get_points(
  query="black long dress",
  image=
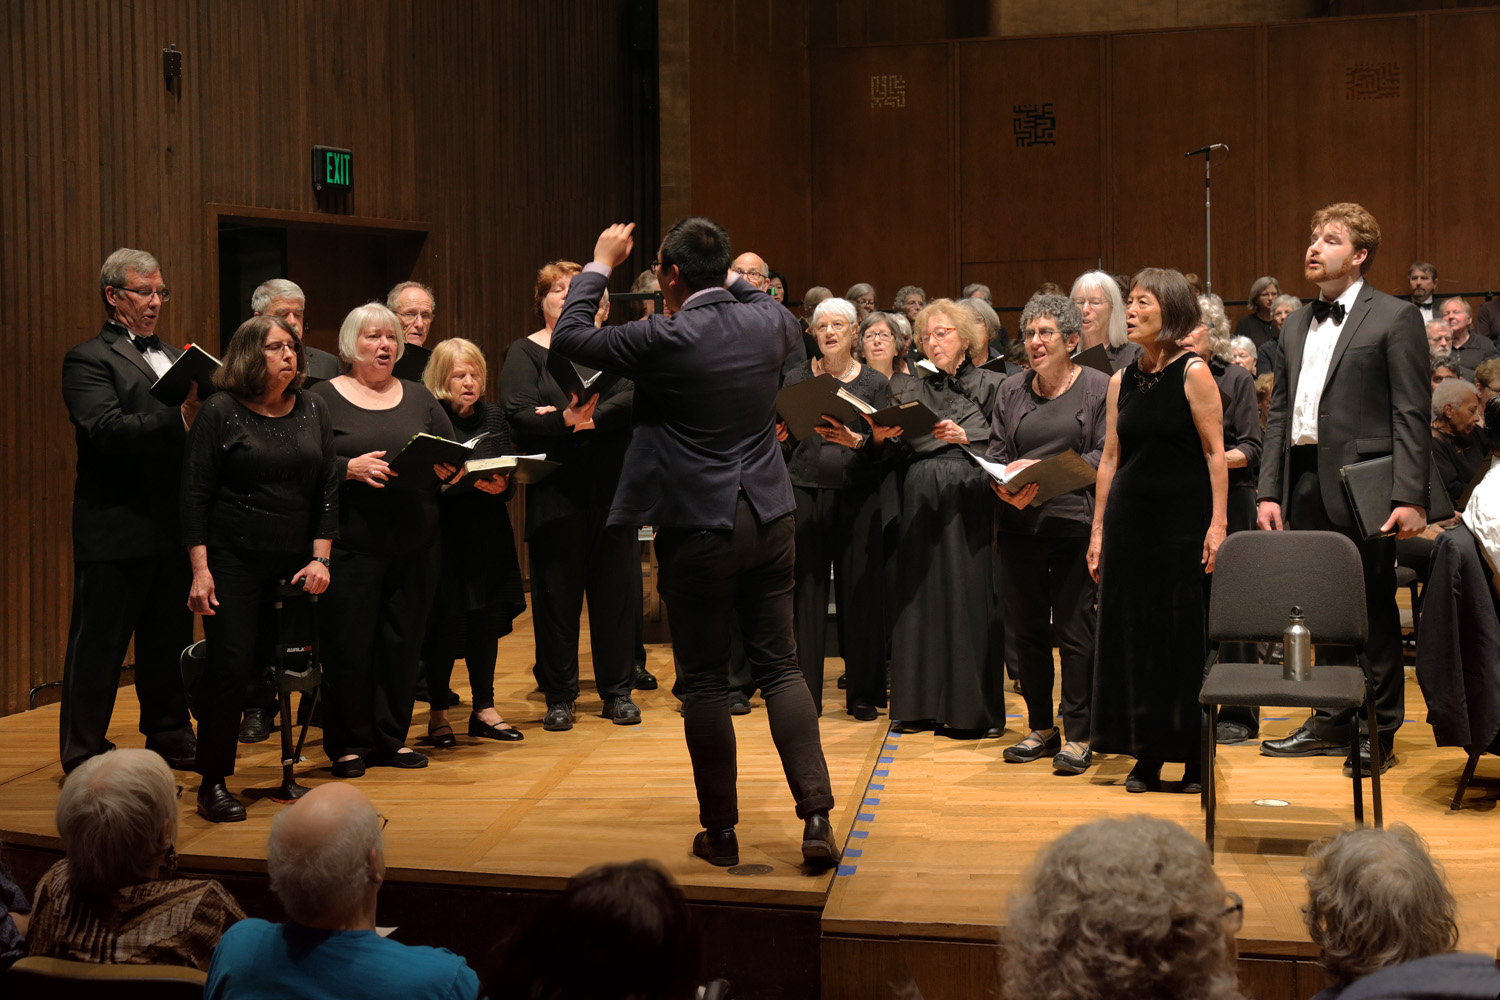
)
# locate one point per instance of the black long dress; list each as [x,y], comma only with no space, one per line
[1152,634]
[944,667]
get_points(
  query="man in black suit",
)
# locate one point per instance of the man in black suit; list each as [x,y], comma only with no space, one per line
[130,571]
[1351,385]
[1422,277]
[414,305]
[285,300]
[704,466]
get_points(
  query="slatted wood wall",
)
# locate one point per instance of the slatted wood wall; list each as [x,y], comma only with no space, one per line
[513,131]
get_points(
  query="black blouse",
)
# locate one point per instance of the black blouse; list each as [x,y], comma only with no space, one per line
[402,515]
[1242,428]
[967,398]
[260,483]
[814,463]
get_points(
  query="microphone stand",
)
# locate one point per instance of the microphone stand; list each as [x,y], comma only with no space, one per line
[1208,212]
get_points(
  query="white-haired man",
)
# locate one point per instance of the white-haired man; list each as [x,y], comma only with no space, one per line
[415,306]
[285,300]
[327,863]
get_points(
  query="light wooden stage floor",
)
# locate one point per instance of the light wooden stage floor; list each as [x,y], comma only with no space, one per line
[939,831]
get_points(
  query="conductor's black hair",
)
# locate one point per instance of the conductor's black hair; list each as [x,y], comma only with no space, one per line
[699,247]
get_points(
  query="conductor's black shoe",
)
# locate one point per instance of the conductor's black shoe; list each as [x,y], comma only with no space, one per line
[1230,733]
[1387,758]
[1300,742]
[216,805]
[559,716]
[739,703]
[622,711]
[864,711]
[255,726]
[180,752]
[720,847]
[818,847]
[642,679]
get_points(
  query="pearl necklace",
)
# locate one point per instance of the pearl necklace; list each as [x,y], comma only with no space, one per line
[1072,376]
[842,376]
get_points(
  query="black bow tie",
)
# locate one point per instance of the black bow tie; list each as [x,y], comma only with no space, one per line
[1322,310]
[144,344]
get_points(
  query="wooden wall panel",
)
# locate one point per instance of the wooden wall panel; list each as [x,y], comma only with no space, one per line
[1171,92]
[511,130]
[882,169]
[1348,127]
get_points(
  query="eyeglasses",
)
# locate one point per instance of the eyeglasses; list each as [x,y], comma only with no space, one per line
[165,294]
[412,314]
[384,819]
[1233,913]
[1043,335]
[836,325]
[870,336]
[280,346]
[748,272]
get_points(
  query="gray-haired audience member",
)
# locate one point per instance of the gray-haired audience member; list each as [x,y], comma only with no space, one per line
[1097,296]
[995,337]
[285,300]
[1242,349]
[978,291]
[1445,366]
[414,305]
[1257,323]
[1439,338]
[884,339]
[1126,908]
[104,902]
[1375,899]
[1458,441]
[326,861]
[862,294]
[910,300]
[752,267]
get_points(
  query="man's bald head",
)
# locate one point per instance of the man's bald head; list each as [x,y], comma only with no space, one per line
[326,859]
[753,268]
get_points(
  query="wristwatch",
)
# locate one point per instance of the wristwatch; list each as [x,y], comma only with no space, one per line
[323,560]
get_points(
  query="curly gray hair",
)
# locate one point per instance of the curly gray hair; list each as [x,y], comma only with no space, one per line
[1058,308]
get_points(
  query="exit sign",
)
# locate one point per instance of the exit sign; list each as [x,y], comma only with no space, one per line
[332,169]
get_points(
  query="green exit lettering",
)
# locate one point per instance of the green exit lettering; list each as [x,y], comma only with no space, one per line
[337,168]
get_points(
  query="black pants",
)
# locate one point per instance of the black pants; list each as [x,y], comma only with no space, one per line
[480,646]
[1048,576]
[840,528]
[244,583]
[571,558]
[112,601]
[1382,661]
[709,578]
[376,611]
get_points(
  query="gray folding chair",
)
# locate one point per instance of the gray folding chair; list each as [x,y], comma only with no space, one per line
[1258,577]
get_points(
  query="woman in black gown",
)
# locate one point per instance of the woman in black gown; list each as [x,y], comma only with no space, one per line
[479,586]
[1159,519]
[942,660]
[835,479]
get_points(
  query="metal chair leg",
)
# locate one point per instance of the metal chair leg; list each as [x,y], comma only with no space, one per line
[1463,783]
[1210,721]
[1377,755]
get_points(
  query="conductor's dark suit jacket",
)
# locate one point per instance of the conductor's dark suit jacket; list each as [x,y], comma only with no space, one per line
[705,402]
[1375,402]
[130,446]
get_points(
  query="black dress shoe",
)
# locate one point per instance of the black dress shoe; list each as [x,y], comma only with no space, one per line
[1300,742]
[818,847]
[216,805]
[442,737]
[1033,747]
[739,703]
[559,716]
[864,711]
[642,679]
[1387,758]
[353,768]
[255,726]
[843,682]
[181,754]
[478,727]
[622,711]
[406,761]
[1230,733]
[720,847]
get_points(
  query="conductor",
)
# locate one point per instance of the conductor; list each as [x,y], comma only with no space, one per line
[704,467]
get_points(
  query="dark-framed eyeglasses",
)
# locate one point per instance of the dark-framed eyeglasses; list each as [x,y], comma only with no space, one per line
[748,272]
[280,346]
[165,294]
[1233,913]
[384,819]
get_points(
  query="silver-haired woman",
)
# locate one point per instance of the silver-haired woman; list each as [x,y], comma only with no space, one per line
[1097,296]
[862,294]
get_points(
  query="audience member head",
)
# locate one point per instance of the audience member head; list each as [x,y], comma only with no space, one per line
[553,280]
[1099,299]
[883,342]
[1375,898]
[814,296]
[1487,380]
[1243,353]
[1455,407]
[456,373]
[1161,299]
[752,268]
[1264,383]
[252,350]
[694,255]
[910,300]
[1344,241]
[862,294]
[1211,309]
[1048,314]
[1194,282]
[988,328]
[834,325]
[644,282]
[1460,319]
[1123,908]
[117,818]
[414,305]
[1048,288]
[1445,366]
[280,298]
[978,291]
[776,286]
[947,333]
[629,920]
[1263,296]
[370,316]
[127,282]
[1439,337]
[1283,307]
[1422,277]
[326,859]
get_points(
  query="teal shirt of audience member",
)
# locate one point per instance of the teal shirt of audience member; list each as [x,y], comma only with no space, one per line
[256,959]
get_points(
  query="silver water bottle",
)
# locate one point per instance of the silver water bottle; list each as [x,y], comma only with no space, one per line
[1296,643]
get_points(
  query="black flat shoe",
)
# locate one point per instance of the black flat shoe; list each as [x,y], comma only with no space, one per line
[353,768]
[1033,747]
[739,703]
[1143,778]
[478,727]
[818,847]
[444,740]
[720,848]
[216,805]
[255,726]
[406,761]
[864,711]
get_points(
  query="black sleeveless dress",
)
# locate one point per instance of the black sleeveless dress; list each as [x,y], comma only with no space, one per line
[1152,621]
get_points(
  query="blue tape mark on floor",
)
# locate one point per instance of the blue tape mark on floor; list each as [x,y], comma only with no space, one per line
[859,833]
[872,802]
[853,852]
[866,817]
[846,869]
[877,788]
[887,760]
[889,747]
[881,774]
[1273,718]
